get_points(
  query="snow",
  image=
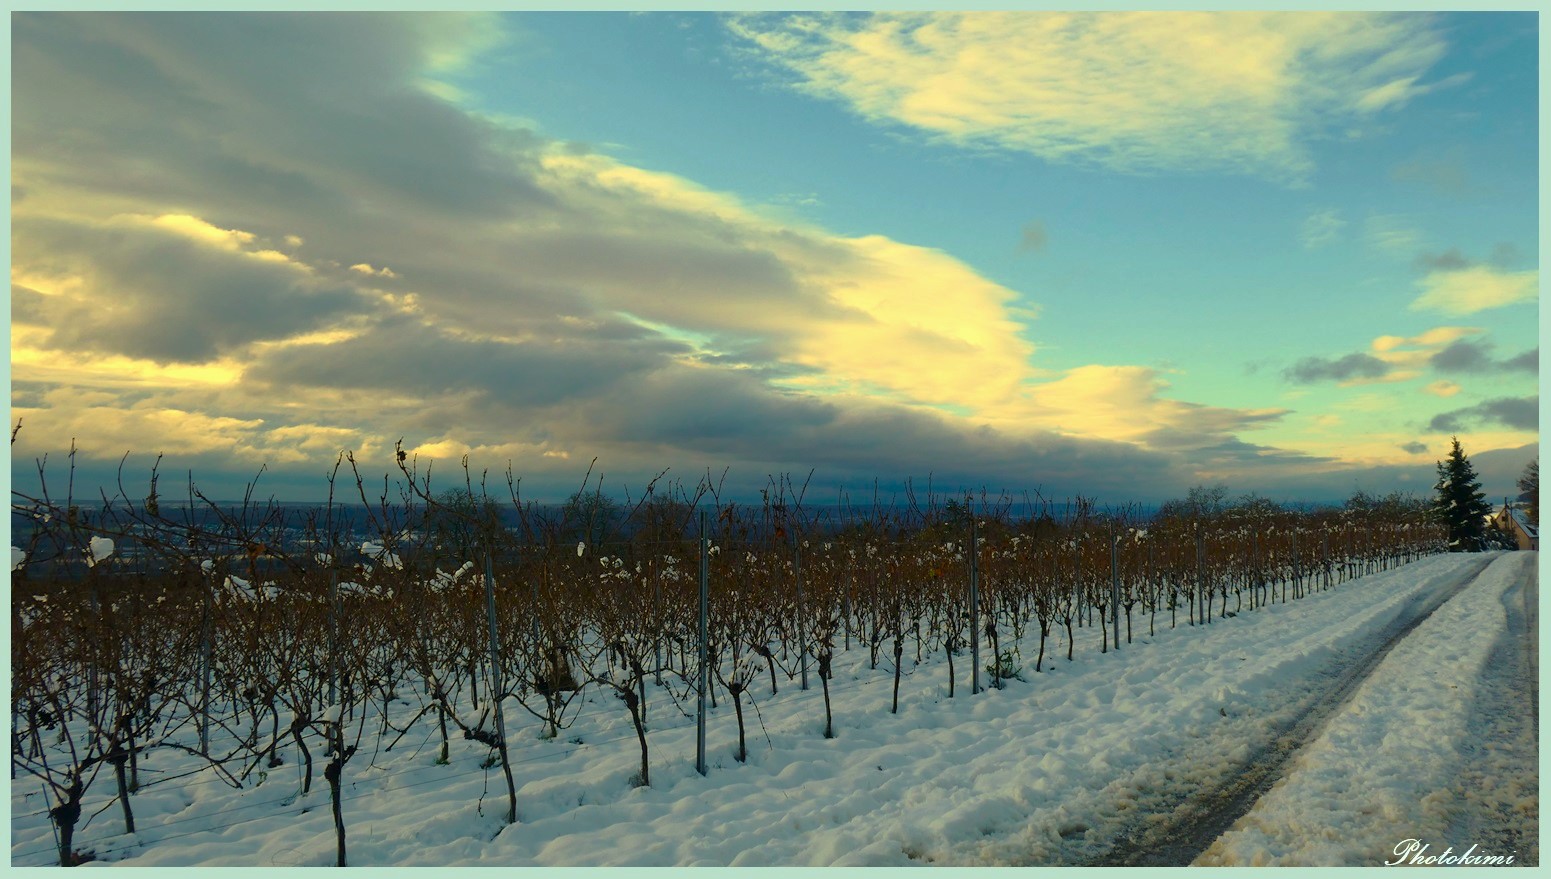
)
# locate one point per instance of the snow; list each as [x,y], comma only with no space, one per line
[442,581]
[243,589]
[381,554]
[1044,771]
[18,557]
[99,549]
[1387,768]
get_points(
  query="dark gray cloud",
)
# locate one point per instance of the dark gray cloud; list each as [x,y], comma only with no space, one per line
[208,97]
[1450,260]
[1208,434]
[1466,356]
[28,305]
[1352,366]
[1414,448]
[133,302]
[1499,469]
[1505,255]
[1528,362]
[404,356]
[1518,413]
[1463,356]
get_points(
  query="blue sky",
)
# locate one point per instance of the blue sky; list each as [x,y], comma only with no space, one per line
[1110,253]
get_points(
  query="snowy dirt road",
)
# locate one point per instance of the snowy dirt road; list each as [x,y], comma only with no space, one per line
[1434,754]
[1176,835]
[1502,738]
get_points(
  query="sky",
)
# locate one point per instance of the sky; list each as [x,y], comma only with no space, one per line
[1116,254]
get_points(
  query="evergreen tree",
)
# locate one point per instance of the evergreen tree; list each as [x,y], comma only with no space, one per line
[1460,503]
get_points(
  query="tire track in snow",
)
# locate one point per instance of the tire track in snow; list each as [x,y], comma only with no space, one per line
[1198,819]
[1496,804]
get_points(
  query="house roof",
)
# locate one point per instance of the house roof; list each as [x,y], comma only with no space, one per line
[1522,520]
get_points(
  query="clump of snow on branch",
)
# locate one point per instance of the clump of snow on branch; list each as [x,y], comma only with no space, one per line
[381,554]
[99,549]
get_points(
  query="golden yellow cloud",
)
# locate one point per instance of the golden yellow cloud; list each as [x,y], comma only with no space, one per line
[105,426]
[194,228]
[1410,355]
[232,240]
[107,429]
[910,323]
[1478,288]
[920,325]
[32,360]
[1434,339]
[1142,90]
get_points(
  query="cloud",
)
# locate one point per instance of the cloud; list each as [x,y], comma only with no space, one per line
[1391,233]
[1414,448]
[1455,284]
[1240,92]
[1515,413]
[1463,356]
[1528,362]
[1129,404]
[1446,174]
[1320,228]
[107,420]
[1415,349]
[1033,238]
[1452,350]
[366,269]
[496,232]
[1448,349]
[201,264]
[110,288]
[1352,366]
[1476,357]
[1478,288]
[1504,255]
[1450,260]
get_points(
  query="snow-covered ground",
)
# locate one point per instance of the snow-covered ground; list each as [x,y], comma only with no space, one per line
[1437,746]
[1051,769]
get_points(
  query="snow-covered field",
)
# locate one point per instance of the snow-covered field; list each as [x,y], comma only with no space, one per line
[1048,770]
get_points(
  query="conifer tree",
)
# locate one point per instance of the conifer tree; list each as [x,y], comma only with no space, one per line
[1460,503]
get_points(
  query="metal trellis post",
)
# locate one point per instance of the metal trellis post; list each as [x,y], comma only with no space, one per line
[974,608]
[797,576]
[705,601]
[1114,585]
